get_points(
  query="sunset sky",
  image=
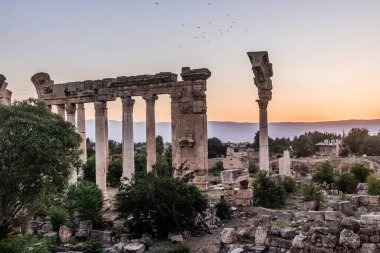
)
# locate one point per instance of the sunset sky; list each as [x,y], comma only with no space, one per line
[325,54]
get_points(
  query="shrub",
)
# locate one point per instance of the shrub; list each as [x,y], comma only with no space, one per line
[147,241]
[253,169]
[92,245]
[115,171]
[373,185]
[157,203]
[347,183]
[86,199]
[324,173]
[266,192]
[289,184]
[312,192]
[223,210]
[216,169]
[360,172]
[345,197]
[89,173]
[182,247]
[58,216]
[12,244]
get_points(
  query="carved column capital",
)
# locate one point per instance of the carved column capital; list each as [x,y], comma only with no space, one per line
[150,99]
[263,104]
[176,96]
[100,108]
[71,108]
[127,103]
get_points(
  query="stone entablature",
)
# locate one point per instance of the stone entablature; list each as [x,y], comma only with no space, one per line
[188,113]
[5,94]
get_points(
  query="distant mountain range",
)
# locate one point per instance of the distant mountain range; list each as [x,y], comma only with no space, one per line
[241,132]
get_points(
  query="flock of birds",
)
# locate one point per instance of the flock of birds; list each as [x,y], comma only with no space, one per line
[202,35]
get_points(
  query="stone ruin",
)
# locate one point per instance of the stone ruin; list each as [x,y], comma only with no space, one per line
[284,164]
[262,70]
[188,116]
[5,94]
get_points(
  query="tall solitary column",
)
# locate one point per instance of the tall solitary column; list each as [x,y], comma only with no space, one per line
[70,112]
[262,69]
[150,130]
[176,156]
[128,145]
[263,135]
[100,145]
[81,128]
[61,109]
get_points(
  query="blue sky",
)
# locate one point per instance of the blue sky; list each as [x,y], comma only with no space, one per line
[324,53]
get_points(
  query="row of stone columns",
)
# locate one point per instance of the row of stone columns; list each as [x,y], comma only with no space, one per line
[69,111]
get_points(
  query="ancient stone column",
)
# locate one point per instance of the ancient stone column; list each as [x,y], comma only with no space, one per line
[61,109]
[176,134]
[128,145]
[150,130]
[101,145]
[81,129]
[263,135]
[262,70]
[70,112]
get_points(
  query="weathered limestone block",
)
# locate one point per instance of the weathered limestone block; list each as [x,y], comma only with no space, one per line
[333,216]
[176,238]
[288,233]
[50,234]
[329,241]
[233,176]
[105,235]
[349,239]
[228,235]
[261,235]
[370,219]
[362,189]
[351,224]
[309,206]
[244,197]
[343,206]
[298,241]
[284,164]
[134,248]
[64,234]
[45,228]
[369,248]
[374,201]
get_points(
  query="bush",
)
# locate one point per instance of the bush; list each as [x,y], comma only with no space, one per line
[115,171]
[12,244]
[347,183]
[58,216]
[216,169]
[253,169]
[373,185]
[86,199]
[312,192]
[89,173]
[92,245]
[147,241]
[345,197]
[157,203]
[266,192]
[182,247]
[289,184]
[324,173]
[223,210]
[360,172]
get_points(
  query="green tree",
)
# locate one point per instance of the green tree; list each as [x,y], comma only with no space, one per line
[115,171]
[223,210]
[373,185]
[216,169]
[278,145]
[356,139]
[360,171]
[303,146]
[38,151]
[216,148]
[347,183]
[157,203]
[312,192]
[86,199]
[114,147]
[289,184]
[89,169]
[90,147]
[159,146]
[325,173]
[266,192]
[371,146]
